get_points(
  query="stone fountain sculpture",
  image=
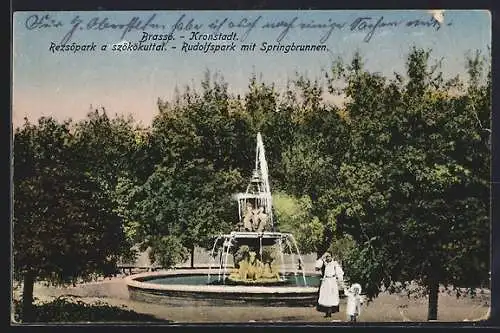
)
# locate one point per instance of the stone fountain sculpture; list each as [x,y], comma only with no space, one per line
[256,247]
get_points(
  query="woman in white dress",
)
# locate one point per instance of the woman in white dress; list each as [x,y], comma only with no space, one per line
[332,278]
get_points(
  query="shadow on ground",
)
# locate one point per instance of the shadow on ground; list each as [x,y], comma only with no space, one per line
[385,308]
[72,309]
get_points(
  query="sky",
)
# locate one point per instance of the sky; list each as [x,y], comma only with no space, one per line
[66,84]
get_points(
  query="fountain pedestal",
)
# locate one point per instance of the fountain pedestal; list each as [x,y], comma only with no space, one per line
[258,258]
[257,233]
[248,267]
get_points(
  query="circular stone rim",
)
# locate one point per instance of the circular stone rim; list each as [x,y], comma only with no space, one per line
[132,281]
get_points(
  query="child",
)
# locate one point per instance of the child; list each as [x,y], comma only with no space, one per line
[354,301]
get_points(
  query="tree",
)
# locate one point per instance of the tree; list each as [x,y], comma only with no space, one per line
[187,200]
[117,153]
[312,153]
[182,206]
[293,215]
[64,225]
[415,179]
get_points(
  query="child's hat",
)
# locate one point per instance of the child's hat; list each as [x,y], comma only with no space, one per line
[354,286]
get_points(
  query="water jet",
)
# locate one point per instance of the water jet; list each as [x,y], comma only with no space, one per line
[247,266]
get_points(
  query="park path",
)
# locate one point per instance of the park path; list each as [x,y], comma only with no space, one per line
[385,308]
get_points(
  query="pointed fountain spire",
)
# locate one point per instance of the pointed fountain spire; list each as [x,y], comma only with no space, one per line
[258,192]
[255,219]
[261,168]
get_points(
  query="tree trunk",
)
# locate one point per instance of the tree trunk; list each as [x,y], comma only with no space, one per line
[433,299]
[27,302]
[192,256]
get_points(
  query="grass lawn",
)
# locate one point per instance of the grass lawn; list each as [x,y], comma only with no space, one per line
[107,301]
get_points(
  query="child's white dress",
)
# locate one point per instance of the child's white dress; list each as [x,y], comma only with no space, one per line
[353,308]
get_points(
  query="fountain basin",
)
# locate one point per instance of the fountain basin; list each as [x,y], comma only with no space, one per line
[190,287]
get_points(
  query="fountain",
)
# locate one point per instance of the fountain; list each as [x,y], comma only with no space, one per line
[257,249]
[247,265]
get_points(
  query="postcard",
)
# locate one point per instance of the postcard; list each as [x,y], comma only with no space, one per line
[284,166]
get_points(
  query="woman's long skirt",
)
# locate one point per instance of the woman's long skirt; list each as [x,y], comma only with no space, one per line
[328,300]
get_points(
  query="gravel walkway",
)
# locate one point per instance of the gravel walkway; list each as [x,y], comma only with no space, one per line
[385,308]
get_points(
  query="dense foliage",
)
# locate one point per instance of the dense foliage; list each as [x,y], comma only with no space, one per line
[68,310]
[415,182]
[395,182]
[64,225]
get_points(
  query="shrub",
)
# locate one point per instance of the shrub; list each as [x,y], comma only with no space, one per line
[66,309]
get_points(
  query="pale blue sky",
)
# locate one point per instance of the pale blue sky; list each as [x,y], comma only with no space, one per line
[65,84]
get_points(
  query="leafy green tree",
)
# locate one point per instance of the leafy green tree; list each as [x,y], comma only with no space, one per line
[189,195]
[124,198]
[342,248]
[182,206]
[106,146]
[293,215]
[313,152]
[116,152]
[64,225]
[415,189]
[263,113]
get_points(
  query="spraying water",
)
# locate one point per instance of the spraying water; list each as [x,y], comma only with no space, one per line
[300,258]
[258,194]
[261,164]
[212,258]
